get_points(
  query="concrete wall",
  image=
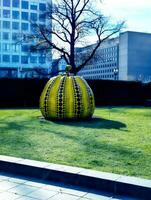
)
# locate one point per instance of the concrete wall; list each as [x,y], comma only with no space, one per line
[139,56]
[123,56]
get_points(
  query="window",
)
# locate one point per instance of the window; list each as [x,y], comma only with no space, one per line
[6,24]
[33,16]
[6,58]
[25,48]
[15,25]
[5,36]
[42,7]
[14,36]
[42,59]
[42,17]
[25,4]
[24,16]
[6,47]
[15,58]
[15,14]
[6,3]
[6,13]
[15,47]
[15,3]
[33,27]
[24,59]
[24,26]
[33,7]
[33,59]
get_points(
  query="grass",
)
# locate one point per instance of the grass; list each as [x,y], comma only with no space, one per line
[118,140]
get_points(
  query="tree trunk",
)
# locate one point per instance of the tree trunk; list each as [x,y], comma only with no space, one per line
[72,49]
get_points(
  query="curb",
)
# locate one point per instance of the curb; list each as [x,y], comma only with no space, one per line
[100,181]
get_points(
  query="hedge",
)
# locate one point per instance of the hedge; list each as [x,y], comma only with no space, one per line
[26,92]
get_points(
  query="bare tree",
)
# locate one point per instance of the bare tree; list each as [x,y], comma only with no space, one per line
[70,22]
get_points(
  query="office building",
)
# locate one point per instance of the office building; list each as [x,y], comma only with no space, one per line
[15,19]
[127,57]
[58,66]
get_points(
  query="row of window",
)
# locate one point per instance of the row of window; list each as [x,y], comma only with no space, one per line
[24,15]
[107,59]
[108,50]
[24,5]
[23,59]
[102,51]
[91,67]
[14,36]
[111,76]
[17,26]
[103,56]
[15,47]
[98,71]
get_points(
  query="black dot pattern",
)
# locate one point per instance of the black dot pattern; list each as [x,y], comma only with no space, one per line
[60,99]
[78,96]
[46,99]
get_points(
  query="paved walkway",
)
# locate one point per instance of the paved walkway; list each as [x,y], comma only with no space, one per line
[15,187]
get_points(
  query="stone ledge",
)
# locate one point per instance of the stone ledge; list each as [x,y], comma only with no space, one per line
[109,182]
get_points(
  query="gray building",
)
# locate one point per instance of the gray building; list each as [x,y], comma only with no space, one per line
[127,57]
[15,20]
[58,66]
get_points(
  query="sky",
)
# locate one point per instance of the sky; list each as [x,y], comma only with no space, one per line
[136,13]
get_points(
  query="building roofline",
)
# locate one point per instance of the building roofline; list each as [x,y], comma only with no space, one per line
[139,32]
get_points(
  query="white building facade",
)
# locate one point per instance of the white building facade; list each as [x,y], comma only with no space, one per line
[127,57]
[15,19]
[104,62]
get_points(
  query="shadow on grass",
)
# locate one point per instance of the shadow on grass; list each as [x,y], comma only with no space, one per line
[94,123]
[10,126]
[89,149]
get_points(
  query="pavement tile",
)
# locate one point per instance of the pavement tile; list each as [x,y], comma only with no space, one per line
[8,196]
[35,184]
[98,196]
[3,177]
[52,187]
[23,189]
[34,163]
[10,158]
[55,167]
[102,175]
[72,191]
[6,185]
[73,170]
[135,181]
[64,168]
[42,194]
[17,180]
[26,198]
[64,197]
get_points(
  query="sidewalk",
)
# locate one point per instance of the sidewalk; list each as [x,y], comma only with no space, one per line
[29,179]
[17,187]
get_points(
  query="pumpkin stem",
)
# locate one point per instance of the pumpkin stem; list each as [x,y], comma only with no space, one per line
[68,69]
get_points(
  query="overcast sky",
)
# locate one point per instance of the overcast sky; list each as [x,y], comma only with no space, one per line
[136,13]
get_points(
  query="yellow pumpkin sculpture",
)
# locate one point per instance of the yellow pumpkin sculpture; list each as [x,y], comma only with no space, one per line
[67,97]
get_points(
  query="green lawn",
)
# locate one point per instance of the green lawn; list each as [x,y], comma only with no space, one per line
[117,140]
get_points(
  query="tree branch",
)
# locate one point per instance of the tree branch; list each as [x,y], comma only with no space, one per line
[115,30]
